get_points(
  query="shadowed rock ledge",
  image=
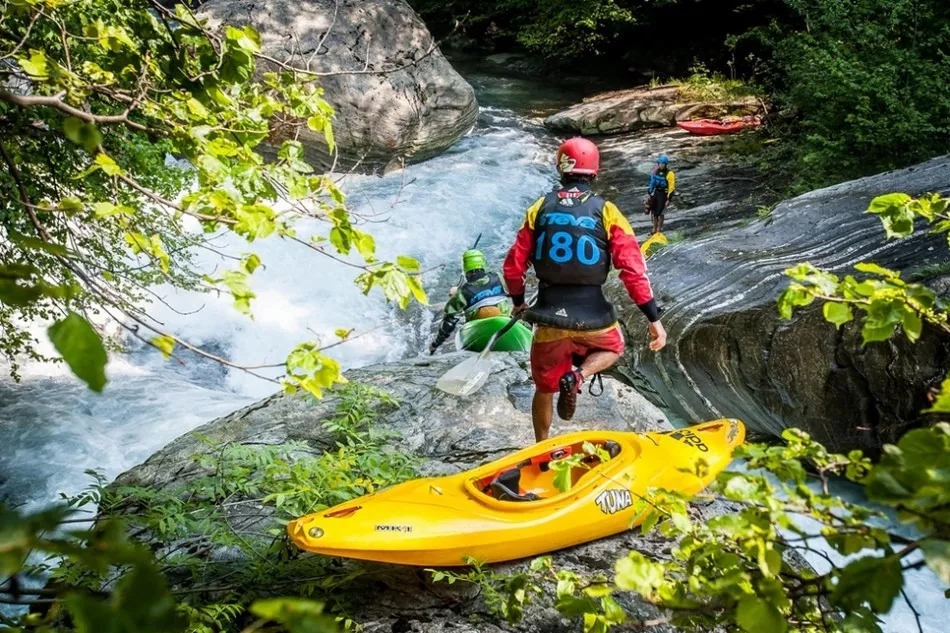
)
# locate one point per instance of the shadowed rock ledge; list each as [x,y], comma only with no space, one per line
[731,355]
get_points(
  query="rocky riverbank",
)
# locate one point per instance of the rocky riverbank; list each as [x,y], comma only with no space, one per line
[449,435]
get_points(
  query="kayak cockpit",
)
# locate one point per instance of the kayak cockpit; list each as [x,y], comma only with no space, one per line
[533,480]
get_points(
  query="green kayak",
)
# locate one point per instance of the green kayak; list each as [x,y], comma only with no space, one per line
[474,335]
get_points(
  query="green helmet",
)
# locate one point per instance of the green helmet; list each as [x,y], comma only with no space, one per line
[473,260]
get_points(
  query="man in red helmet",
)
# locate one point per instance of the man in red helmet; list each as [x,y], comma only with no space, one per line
[571,236]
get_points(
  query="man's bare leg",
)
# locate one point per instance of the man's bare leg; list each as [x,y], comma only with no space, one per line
[542,412]
[597,362]
[659,228]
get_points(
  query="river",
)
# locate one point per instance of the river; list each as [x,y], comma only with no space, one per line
[53,429]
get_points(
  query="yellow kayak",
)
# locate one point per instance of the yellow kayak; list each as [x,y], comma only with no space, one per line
[510,508]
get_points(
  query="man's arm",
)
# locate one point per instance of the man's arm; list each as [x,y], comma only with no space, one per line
[519,256]
[627,258]
[453,312]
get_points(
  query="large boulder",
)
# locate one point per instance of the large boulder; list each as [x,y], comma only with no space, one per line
[638,108]
[397,99]
[731,355]
[451,435]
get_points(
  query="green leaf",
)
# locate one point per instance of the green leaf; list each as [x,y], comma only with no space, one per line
[770,563]
[140,602]
[365,244]
[81,347]
[884,203]
[328,135]
[649,522]
[942,401]
[871,334]
[837,313]
[165,344]
[913,325]
[107,210]
[108,165]
[874,269]
[562,477]
[82,133]
[246,38]
[340,240]
[236,282]
[32,243]
[794,296]
[850,543]
[296,614]
[70,204]
[599,590]
[572,606]
[36,66]
[635,573]
[755,615]
[860,621]
[418,292]
[853,589]
[409,264]
[250,263]
[937,554]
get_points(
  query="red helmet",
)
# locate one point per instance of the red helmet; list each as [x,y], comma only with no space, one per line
[578,156]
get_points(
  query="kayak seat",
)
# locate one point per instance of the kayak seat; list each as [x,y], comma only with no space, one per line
[505,487]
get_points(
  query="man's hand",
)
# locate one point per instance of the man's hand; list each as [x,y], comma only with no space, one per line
[519,309]
[657,336]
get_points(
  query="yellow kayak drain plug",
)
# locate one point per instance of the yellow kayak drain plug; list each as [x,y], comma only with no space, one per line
[315,532]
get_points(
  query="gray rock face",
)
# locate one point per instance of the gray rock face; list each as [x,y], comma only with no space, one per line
[452,435]
[397,99]
[638,108]
[730,354]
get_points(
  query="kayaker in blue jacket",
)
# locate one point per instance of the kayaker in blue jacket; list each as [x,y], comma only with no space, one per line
[660,192]
[482,295]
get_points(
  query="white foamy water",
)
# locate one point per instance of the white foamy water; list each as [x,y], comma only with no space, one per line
[53,428]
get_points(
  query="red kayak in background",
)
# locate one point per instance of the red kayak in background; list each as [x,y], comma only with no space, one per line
[709,127]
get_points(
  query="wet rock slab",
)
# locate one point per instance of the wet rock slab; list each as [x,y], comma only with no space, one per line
[640,108]
[730,354]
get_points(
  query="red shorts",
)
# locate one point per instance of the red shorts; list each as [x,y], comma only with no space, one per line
[554,352]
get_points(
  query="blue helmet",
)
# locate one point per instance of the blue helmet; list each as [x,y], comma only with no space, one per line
[663,159]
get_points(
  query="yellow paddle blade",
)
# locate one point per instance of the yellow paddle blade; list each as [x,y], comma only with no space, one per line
[654,240]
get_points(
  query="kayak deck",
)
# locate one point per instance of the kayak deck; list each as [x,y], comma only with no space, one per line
[474,335]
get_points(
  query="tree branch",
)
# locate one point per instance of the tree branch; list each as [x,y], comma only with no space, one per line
[913,609]
[57,103]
